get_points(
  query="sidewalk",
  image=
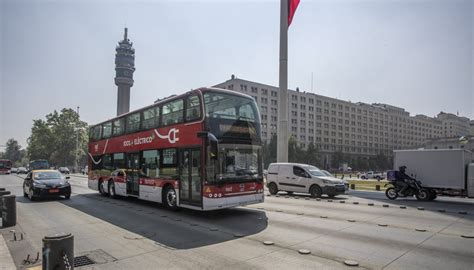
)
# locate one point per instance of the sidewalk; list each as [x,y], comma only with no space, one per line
[6,260]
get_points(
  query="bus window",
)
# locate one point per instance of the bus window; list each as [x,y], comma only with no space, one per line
[173,112]
[133,122]
[169,163]
[119,127]
[193,110]
[119,161]
[106,130]
[150,163]
[151,118]
[96,132]
[107,162]
[246,112]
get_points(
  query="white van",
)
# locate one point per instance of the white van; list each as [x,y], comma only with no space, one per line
[295,177]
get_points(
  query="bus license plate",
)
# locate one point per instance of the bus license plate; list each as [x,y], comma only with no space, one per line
[55,190]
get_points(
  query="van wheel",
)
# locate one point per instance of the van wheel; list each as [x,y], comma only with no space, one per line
[315,191]
[272,188]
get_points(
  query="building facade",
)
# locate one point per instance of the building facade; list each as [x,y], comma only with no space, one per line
[453,125]
[451,143]
[337,125]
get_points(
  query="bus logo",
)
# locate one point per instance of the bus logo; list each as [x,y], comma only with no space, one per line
[172,135]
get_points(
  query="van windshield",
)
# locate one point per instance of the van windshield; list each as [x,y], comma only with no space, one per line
[316,172]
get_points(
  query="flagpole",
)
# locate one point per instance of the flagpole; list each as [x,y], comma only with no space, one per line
[282,136]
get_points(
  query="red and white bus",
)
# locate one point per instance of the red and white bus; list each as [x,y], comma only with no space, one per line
[201,150]
[5,166]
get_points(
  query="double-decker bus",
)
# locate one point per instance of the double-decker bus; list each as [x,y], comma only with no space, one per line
[200,150]
[39,164]
[5,166]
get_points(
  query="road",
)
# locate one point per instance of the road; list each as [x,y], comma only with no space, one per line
[131,234]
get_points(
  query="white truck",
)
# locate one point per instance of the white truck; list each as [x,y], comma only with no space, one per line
[443,171]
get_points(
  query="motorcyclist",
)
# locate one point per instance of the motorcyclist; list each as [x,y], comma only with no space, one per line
[401,177]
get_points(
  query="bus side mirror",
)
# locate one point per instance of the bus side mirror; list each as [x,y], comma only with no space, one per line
[212,142]
[213,146]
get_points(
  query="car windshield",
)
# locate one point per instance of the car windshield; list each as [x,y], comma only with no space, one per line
[315,171]
[327,173]
[47,175]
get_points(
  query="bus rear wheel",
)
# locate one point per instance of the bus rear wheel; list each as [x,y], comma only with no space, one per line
[170,199]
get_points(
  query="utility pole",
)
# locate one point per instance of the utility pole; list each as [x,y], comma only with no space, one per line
[282,140]
[76,169]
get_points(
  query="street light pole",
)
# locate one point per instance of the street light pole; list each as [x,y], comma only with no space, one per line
[76,169]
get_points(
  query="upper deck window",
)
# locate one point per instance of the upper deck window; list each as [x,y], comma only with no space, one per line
[106,130]
[173,112]
[96,132]
[151,117]
[193,110]
[133,122]
[228,106]
[119,127]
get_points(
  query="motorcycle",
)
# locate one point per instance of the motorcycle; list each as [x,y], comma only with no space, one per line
[414,189]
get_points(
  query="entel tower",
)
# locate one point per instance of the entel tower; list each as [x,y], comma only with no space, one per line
[124,68]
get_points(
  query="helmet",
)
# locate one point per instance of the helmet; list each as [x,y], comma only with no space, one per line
[402,168]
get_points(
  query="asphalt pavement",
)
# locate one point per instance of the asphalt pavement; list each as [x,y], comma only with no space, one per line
[362,226]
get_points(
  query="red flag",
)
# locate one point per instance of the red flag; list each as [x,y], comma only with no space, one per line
[292,5]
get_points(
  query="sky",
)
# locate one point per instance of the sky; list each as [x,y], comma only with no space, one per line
[417,55]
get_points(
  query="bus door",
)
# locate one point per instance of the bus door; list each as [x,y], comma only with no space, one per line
[190,191]
[133,169]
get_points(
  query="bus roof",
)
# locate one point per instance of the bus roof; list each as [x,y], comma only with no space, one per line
[173,97]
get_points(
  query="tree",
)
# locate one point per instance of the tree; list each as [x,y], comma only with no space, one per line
[295,153]
[311,155]
[382,161]
[55,139]
[269,151]
[12,150]
[337,159]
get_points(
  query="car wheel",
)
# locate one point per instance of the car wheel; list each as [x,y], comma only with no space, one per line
[67,197]
[112,189]
[170,198]
[272,188]
[316,191]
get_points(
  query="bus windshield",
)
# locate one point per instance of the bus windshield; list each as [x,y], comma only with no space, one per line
[238,162]
[5,164]
[39,165]
[232,116]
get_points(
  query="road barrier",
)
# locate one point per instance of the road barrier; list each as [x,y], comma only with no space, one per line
[58,252]
[8,210]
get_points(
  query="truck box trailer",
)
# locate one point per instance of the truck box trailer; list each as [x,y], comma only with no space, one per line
[445,171]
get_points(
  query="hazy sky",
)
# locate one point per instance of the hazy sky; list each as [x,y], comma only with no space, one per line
[54,54]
